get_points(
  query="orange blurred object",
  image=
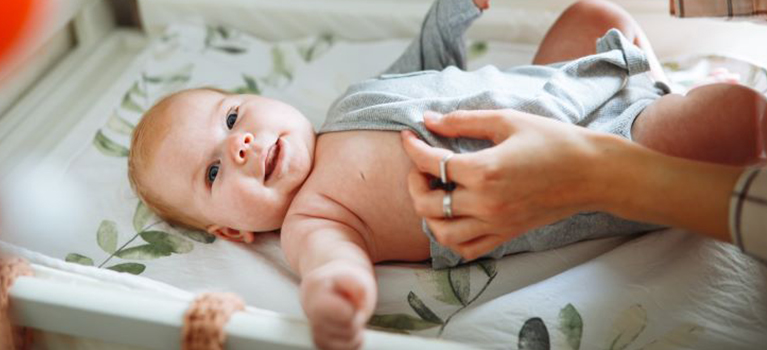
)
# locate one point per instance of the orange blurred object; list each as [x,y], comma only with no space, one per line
[15,16]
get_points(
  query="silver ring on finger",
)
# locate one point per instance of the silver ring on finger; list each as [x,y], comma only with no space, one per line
[447,205]
[443,167]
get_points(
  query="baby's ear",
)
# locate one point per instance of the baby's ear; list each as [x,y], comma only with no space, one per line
[231,234]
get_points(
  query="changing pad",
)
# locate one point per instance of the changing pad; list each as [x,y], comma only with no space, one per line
[663,289]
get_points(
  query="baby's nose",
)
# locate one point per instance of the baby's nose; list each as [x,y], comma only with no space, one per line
[240,145]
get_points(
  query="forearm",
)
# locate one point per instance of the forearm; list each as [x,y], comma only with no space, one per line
[338,287]
[646,185]
[311,242]
[331,246]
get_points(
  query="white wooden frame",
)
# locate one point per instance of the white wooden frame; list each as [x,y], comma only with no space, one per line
[154,321]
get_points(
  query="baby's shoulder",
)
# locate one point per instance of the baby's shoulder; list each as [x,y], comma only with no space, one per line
[318,204]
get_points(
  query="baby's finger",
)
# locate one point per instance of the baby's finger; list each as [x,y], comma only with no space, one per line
[342,314]
[335,331]
[478,246]
[340,343]
[477,124]
[349,287]
[452,232]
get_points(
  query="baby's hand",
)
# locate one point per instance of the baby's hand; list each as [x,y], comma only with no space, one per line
[338,299]
[482,4]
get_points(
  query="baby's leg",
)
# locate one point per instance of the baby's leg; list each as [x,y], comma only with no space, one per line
[723,123]
[576,31]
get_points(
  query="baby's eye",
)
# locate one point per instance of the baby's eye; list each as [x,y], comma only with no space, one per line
[231,118]
[212,173]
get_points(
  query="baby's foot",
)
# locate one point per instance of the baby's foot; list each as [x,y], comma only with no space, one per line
[482,4]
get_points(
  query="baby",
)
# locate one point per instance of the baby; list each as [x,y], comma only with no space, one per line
[236,165]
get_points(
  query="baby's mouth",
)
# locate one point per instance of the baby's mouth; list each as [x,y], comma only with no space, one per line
[271,159]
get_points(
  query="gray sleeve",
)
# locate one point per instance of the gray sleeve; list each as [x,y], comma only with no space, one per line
[581,86]
[441,41]
[748,213]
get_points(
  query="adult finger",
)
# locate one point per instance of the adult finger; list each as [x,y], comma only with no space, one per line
[452,232]
[478,124]
[427,158]
[479,246]
[428,202]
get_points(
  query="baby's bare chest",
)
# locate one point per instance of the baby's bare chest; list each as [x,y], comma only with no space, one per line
[366,172]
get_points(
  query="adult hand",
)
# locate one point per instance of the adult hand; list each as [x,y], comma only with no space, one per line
[538,172]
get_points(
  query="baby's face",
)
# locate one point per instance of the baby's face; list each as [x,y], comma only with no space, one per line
[233,161]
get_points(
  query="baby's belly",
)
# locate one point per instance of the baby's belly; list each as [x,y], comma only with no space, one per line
[369,177]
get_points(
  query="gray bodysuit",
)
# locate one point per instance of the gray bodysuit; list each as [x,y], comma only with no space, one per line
[603,92]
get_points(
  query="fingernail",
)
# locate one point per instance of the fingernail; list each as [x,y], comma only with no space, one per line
[431,115]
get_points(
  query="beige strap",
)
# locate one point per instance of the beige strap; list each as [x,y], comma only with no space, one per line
[718,8]
[12,337]
[748,213]
[205,319]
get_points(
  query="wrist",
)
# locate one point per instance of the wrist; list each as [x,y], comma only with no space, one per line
[645,185]
[609,165]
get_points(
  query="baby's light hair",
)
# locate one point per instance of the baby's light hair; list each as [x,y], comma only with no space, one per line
[141,155]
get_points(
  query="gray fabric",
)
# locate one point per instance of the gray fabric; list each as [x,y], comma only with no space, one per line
[603,92]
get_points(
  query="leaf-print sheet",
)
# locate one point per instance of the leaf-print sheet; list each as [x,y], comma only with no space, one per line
[663,290]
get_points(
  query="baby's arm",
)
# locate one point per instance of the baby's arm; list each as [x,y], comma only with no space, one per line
[338,287]
[440,43]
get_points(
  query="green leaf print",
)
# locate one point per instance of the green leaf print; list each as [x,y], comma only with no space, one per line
[106,236]
[400,322]
[421,309]
[250,87]
[129,104]
[181,75]
[488,266]
[232,50]
[145,252]
[460,283]
[437,284]
[251,84]
[477,49]
[136,90]
[319,46]
[627,327]
[571,325]
[109,147]
[210,34]
[680,337]
[218,38]
[119,125]
[280,64]
[79,259]
[225,32]
[141,216]
[177,245]
[197,235]
[132,268]
[281,73]
[672,66]
[534,335]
